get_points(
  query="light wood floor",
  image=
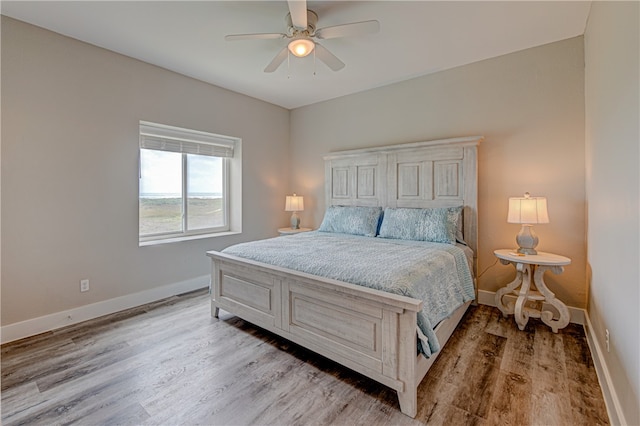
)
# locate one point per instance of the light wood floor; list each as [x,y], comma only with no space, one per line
[170,363]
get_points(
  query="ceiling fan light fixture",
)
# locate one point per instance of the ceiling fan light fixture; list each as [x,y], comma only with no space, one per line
[301,46]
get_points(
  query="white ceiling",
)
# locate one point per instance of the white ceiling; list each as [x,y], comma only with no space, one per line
[415,38]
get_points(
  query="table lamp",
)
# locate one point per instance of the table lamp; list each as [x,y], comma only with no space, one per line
[527,211]
[294,203]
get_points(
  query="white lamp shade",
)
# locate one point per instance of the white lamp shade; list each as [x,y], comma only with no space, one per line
[294,203]
[528,210]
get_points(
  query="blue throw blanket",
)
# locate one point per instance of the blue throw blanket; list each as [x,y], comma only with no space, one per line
[436,273]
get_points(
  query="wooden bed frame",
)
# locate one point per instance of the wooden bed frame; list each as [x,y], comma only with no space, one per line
[369,331]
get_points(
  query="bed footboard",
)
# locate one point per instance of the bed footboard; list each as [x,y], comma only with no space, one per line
[369,331]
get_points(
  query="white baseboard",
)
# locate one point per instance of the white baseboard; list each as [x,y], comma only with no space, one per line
[56,320]
[489,298]
[611,400]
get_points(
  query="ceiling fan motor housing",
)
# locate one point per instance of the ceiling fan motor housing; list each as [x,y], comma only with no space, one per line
[312,20]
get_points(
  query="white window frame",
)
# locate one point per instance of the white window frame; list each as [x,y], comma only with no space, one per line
[166,138]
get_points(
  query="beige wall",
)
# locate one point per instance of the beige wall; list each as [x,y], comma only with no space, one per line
[70,115]
[530,107]
[613,192]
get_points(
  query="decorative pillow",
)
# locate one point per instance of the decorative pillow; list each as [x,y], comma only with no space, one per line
[460,226]
[438,225]
[351,220]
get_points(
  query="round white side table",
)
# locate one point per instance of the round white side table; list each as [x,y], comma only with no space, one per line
[530,269]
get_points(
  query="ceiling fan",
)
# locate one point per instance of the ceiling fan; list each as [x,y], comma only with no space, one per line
[303,35]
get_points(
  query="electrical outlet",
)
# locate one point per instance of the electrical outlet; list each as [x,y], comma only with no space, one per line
[84,285]
[606,338]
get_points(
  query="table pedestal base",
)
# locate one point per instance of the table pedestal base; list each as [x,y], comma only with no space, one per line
[529,278]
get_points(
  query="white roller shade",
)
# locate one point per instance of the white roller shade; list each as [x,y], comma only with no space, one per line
[175,139]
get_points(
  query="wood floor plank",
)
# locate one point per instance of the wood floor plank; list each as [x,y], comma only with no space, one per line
[586,396]
[203,395]
[70,407]
[459,352]
[497,324]
[171,363]
[132,415]
[448,372]
[510,402]
[29,360]
[481,377]
[458,416]
[550,397]
[519,351]
[22,398]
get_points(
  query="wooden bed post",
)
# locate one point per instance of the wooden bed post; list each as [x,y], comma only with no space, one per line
[214,290]
[407,353]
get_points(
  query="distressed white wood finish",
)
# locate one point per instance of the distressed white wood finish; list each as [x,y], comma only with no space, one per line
[357,180]
[530,271]
[439,173]
[367,330]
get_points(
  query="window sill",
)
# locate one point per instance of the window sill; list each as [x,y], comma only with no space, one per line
[185,238]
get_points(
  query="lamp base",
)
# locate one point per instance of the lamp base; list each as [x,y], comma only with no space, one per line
[295,221]
[527,240]
[526,250]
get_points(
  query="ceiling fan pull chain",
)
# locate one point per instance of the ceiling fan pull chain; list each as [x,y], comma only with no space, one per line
[288,65]
[314,62]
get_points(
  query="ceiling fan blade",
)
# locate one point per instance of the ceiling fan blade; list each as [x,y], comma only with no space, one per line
[328,58]
[279,59]
[298,11]
[345,30]
[263,36]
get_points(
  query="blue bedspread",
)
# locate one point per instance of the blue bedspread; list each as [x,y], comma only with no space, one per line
[436,273]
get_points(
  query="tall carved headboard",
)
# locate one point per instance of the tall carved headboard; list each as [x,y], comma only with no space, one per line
[438,173]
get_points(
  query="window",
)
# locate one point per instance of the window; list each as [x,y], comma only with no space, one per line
[186,183]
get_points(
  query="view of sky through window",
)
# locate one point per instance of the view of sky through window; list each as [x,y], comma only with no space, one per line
[162,174]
